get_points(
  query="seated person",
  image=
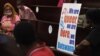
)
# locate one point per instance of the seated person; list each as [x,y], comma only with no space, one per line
[30,44]
[93,39]
[25,12]
[9,19]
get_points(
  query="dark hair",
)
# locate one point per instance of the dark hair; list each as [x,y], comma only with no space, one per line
[93,15]
[19,2]
[24,33]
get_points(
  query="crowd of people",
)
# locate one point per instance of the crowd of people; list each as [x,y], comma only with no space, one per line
[17,37]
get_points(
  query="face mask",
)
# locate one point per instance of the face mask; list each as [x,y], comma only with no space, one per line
[8,12]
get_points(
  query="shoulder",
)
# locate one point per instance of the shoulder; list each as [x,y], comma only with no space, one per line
[43,51]
[27,8]
[17,17]
[95,32]
[94,37]
[3,18]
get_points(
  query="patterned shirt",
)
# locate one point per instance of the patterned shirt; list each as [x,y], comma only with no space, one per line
[8,24]
[26,13]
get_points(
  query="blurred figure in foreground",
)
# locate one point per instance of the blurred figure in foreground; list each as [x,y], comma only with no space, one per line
[31,46]
[8,46]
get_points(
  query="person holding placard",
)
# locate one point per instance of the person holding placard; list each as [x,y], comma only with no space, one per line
[93,39]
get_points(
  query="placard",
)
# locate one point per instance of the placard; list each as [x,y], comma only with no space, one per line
[67,27]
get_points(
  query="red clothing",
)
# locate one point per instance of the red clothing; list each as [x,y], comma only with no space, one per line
[42,51]
[60,3]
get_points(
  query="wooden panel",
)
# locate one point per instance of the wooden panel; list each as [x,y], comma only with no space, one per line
[48,13]
[41,2]
[43,33]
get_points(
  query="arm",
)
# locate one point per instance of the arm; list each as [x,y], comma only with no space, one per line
[83,45]
[17,19]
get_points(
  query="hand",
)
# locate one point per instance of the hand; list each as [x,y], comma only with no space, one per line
[77,50]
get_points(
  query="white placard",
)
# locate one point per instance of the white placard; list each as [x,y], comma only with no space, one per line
[67,27]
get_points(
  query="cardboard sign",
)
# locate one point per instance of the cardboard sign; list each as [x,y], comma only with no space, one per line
[67,27]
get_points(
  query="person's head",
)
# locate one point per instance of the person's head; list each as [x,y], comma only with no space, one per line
[9,10]
[20,4]
[93,15]
[24,33]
